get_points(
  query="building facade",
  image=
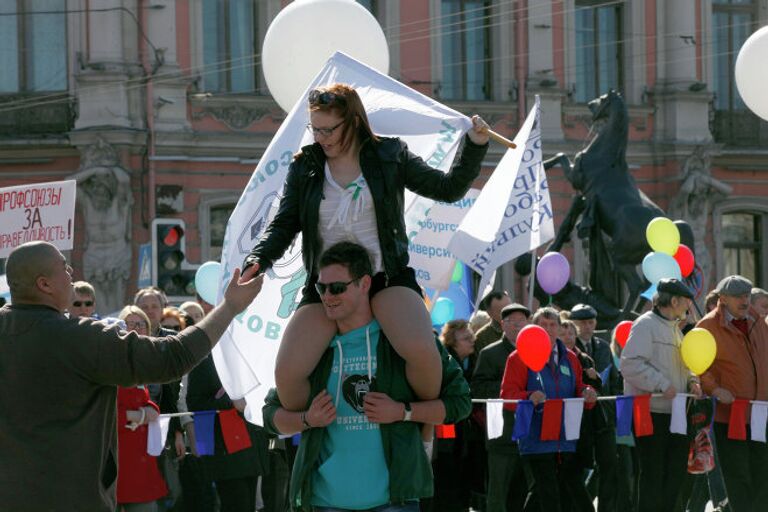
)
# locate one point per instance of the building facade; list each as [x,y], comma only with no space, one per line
[159,109]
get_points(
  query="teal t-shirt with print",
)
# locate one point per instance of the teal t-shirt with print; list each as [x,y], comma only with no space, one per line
[352,472]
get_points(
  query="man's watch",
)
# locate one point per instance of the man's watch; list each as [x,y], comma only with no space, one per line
[408,412]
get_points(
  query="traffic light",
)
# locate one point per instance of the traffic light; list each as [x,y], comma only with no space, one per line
[170,271]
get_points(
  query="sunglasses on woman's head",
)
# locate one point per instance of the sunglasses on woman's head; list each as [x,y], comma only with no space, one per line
[79,304]
[317,97]
[334,288]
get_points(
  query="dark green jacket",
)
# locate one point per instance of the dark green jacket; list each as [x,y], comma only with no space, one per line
[410,473]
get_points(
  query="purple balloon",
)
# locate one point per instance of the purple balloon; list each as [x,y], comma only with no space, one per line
[553,272]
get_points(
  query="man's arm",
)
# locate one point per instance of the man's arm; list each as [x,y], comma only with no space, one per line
[635,361]
[278,420]
[112,357]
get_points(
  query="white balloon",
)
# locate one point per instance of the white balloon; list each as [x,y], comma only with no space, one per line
[752,72]
[304,35]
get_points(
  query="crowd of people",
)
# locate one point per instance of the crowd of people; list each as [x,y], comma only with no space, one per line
[644,472]
[361,376]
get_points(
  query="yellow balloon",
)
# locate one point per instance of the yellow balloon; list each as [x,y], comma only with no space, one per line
[663,235]
[698,350]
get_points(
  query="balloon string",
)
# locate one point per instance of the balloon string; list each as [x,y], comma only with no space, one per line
[550,301]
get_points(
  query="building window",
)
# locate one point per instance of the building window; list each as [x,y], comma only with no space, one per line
[33,47]
[230,41]
[732,23]
[466,48]
[599,49]
[742,236]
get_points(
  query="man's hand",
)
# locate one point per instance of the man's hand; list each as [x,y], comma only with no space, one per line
[592,374]
[380,408]
[239,404]
[723,396]
[178,444]
[590,396]
[190,428]
[695,389]
[670,392]
[537,397]
[321,412]
[243,289]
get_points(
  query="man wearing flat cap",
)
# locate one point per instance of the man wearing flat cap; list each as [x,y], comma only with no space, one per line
[651,363]
[597,444]
[506,485]
[740,370]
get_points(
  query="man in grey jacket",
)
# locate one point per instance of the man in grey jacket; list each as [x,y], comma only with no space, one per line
[651,363]
[59,378]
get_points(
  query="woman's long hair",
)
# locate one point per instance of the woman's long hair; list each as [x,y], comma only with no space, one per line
[345,102]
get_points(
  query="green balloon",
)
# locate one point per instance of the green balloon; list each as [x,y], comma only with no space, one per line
[458,272]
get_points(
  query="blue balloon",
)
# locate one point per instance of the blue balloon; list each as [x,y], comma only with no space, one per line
[648,294]
[659,265]
[207,280]
[443,311]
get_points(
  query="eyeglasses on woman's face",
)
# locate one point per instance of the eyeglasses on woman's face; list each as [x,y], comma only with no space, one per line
[136,325]
[325,132]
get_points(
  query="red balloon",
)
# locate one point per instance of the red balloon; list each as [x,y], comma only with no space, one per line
[684,258]
[621,333]
[534,347]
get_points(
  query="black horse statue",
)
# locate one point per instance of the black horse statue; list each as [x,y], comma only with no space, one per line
[610,206]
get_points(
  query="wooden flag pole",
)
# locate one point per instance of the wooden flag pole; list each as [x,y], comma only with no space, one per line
[501,139]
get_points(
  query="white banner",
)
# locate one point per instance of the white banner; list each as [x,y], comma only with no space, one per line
[245,356]
[43,211]
[513,213]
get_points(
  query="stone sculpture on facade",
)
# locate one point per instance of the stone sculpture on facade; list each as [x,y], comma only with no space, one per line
[693,203]
[104,194]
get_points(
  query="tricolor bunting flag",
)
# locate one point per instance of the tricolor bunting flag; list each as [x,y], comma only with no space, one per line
[245,356]
[737,423]
[679,423]
[624,407]
[204,426]
[642,415]
[757,421]
[523,418]
[494,419]
[513,213]
[234,431]
[552,421]
[156,434]
[572,414]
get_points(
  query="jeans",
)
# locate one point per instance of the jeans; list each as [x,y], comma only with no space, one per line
[408,506]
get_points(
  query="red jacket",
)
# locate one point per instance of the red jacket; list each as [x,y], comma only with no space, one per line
[514,384]
[138,475]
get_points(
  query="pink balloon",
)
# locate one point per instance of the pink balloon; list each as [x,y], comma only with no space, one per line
[553,272]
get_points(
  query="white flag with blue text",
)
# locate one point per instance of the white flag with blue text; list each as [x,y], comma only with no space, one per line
[513,213]
[245,356]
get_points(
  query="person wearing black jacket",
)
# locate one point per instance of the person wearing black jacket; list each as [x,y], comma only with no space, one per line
[235,474]
[349,185]
[597,445]
[507,489]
